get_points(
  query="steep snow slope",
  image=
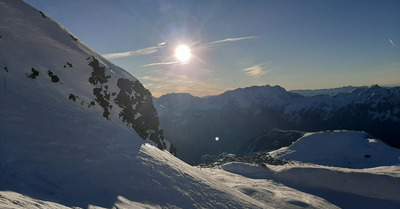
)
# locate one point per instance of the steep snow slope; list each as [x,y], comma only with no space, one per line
[43,65]
[342,149]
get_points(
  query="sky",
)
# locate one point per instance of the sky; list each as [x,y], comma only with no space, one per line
[297,44]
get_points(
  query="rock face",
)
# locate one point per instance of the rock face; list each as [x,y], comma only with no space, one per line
[242,114]
[41,59]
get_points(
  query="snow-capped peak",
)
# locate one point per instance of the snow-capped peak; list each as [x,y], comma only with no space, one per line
[41,59]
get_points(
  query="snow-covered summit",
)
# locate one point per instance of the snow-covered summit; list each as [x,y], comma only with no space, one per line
[350,149]
[43,65]
[250,97]
[174,102]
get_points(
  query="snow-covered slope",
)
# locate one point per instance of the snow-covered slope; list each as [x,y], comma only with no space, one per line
[347,188]
[151,178]
[349,149]
[42,65]
[243,114]
[72,126]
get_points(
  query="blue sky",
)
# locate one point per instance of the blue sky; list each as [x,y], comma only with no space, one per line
[297,44]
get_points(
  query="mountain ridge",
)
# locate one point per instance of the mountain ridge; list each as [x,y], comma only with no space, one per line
[253,110]
[53,58]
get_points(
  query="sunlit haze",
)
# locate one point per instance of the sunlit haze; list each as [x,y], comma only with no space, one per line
[304,44]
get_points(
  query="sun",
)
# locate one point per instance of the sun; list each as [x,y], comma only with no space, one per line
[183,53]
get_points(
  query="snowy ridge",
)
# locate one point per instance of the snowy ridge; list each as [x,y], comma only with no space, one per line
[308,92]
[42,59]
[239,99]
[174,102]
[246,98]
[347,188]
[341,149]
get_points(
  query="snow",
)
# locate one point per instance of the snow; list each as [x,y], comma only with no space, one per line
[341,149]
[12,200]
[246,98]
[60,153]
[276,96]
[309,92]
[347,188]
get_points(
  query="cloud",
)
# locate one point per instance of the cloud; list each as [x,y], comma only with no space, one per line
[154,49]
[151,78]
[160,63]
[145,51]
[254,71]
[231,40]
[390,40]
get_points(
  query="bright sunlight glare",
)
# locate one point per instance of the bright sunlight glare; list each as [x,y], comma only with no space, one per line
[183,53]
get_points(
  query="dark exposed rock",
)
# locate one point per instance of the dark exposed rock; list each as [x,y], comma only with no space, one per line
[43,15]
[136,101]
[102,97]
[98,74]
[34,74]
[73,37]
[72,97]
[98,78]
[53,77]
[68,65]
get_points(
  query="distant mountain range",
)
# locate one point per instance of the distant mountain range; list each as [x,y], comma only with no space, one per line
[315,92]
[193,123]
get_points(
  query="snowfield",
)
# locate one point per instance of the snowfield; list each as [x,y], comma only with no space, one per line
[152,178]
[76,131]
[346,188]
[349,149]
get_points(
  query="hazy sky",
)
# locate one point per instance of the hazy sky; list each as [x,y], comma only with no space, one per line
[297,44]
